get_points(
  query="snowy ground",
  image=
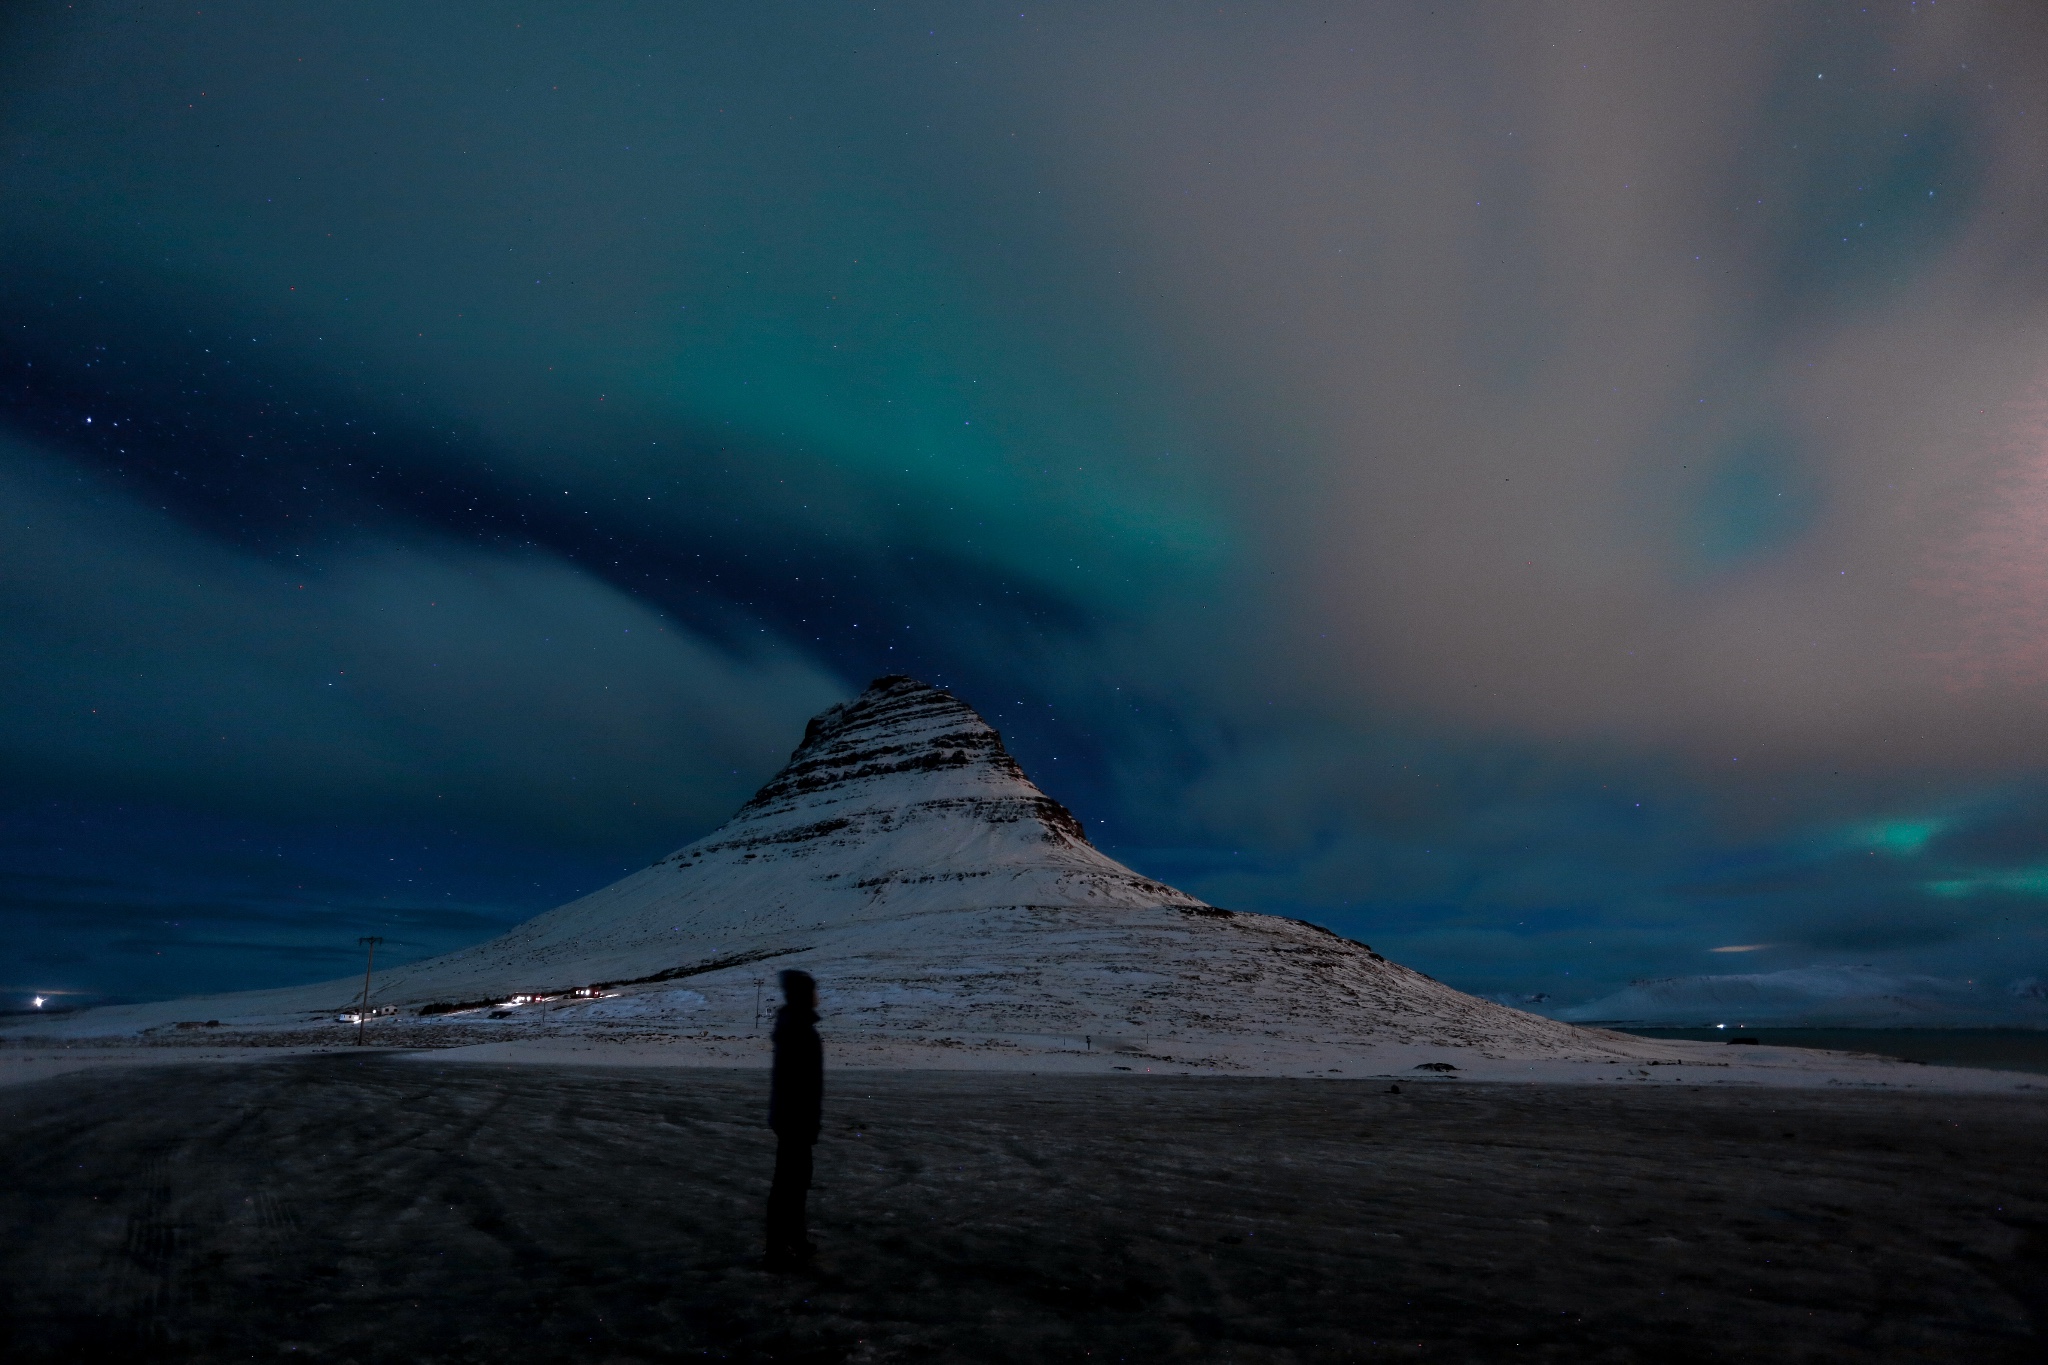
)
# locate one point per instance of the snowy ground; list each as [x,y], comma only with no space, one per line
[1629,1061]
[377,1208]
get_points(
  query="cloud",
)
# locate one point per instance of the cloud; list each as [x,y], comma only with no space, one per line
[386,678]
[1549,488]
[1601,394]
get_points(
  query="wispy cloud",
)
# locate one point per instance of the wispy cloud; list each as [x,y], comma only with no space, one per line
[1541,487]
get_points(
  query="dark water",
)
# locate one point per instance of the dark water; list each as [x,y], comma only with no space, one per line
[2000,1049]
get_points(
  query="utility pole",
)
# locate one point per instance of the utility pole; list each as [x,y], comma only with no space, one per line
[363,1016]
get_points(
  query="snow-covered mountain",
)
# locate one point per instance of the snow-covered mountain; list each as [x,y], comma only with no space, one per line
[940,899]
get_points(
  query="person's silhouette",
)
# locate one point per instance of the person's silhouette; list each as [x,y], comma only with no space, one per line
[796,1098]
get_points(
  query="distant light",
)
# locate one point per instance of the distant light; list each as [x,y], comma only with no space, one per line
[1720,1026]
[39,1002]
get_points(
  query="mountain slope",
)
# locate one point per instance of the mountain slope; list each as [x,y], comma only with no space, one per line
[942,901]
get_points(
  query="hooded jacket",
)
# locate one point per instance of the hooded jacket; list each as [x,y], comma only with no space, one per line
[796,1088]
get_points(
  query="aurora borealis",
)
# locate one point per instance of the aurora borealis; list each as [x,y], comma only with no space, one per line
[1556,491]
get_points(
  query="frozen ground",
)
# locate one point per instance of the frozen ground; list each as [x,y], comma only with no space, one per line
[387,1208]
[1645,1061]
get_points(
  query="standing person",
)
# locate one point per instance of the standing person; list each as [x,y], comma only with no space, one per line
[796,1098]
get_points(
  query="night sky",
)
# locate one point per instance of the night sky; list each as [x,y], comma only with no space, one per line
[1558,492]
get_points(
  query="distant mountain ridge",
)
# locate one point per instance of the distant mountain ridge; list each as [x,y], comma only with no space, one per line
[1816,997]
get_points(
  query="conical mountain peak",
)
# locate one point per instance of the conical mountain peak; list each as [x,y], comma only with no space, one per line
[902,743]
[949,908]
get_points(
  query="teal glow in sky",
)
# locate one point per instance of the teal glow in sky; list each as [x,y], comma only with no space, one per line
[1557,491]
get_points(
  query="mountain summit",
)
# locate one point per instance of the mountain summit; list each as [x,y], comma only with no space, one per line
[899,727]
[899,806]
[949,909]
